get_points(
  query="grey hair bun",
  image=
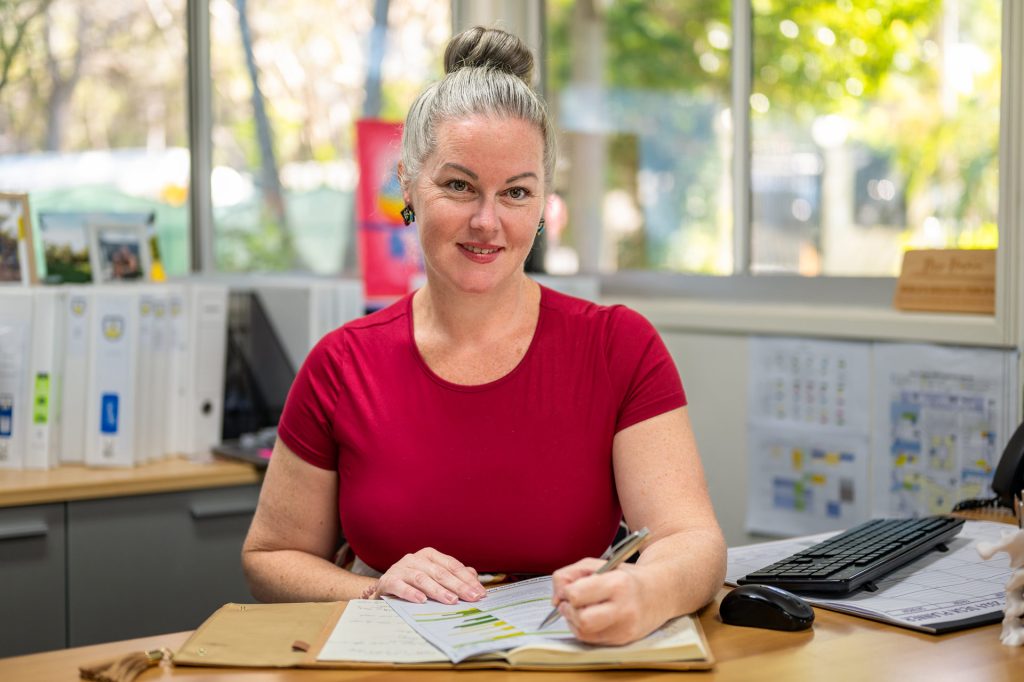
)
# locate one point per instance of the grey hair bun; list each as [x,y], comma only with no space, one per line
[489,48]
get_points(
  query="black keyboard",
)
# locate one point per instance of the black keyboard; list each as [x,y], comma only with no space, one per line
[857,557]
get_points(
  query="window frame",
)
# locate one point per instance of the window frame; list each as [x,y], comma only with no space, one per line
[838,307]
[200,132]
[741,303]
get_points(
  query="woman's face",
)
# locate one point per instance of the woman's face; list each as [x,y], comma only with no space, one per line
[478,199]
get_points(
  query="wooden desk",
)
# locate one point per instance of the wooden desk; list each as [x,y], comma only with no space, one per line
[839,647]
[67,483]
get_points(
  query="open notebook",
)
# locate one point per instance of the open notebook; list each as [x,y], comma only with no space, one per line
[369,634]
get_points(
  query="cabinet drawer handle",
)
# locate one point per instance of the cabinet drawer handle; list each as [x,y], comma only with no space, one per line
[25,529]
[213,510]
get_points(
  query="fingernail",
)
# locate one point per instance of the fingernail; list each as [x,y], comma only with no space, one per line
[451,598]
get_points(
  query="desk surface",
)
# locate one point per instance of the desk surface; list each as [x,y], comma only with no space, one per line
[66,483]
[839,647]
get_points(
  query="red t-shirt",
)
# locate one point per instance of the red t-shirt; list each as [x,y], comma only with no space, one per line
[510,476]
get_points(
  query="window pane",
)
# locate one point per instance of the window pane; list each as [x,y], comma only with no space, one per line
[284,171]
[94,111]
[640,92]
[875,128]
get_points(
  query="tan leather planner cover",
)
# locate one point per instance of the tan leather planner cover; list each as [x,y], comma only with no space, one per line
[258,635]
[291,636]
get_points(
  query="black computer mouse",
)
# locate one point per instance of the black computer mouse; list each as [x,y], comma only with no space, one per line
[764,606]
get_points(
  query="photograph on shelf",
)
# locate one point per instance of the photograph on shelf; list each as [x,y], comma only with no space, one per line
[119,252]
[16,252]
[64,236]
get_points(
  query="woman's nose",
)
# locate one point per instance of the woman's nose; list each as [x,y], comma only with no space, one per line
[486,217]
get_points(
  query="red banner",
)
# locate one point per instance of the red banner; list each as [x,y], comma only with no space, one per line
[389,251]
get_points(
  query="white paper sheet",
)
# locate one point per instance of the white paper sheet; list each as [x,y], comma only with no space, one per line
[808,435]
[943,416]
[371,631]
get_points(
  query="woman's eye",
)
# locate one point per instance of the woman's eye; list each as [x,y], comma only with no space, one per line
[518,193]
[458,185]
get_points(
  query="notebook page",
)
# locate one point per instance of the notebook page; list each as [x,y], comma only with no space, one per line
[371,631]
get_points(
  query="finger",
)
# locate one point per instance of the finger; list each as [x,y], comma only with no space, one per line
[467,585]
[569,574]
[602,623]
[459,579]
[580,568]
[411,579]
[597,588]
[427,582]
[435,575]
[414,584]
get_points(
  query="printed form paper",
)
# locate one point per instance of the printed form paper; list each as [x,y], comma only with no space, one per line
[943,416]
[938,589]
[506,618]
[808,432]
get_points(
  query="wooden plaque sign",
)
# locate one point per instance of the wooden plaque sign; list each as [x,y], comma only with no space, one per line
[949,281]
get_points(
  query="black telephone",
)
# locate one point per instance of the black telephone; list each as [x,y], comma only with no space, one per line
[1009,477]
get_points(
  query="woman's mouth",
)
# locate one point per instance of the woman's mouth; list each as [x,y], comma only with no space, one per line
[479,250]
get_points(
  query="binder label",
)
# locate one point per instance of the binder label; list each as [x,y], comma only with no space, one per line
[6,414]
[108,413]
[41,402]
[113,327]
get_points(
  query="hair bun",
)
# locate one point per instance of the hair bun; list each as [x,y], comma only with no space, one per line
[489,48]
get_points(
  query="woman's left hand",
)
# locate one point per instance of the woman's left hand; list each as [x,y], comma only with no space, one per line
[611,608]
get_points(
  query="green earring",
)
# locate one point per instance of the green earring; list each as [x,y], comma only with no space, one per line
[540,227]
[408,215]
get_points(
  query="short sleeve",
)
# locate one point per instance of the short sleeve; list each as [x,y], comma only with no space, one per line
[641,365]
[307,421]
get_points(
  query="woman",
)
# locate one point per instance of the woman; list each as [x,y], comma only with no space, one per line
[484,422]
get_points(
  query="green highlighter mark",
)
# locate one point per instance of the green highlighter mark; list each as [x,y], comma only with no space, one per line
[479,620]
[41,399]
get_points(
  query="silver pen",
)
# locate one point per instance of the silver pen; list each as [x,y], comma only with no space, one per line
[620,552]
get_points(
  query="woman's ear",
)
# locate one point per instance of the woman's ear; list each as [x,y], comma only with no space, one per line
[402,182]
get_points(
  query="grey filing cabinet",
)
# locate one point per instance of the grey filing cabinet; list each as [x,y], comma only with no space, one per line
[152,564]
[32,588]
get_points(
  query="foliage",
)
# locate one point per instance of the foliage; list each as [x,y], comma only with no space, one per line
[71,85]
[90,76]
[658,59]
[16,19]
[840,48]
[240,249]
[650,45]
[67,265]
[81,76]
[884,67]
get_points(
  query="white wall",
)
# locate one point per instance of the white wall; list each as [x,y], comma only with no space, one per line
[714,372]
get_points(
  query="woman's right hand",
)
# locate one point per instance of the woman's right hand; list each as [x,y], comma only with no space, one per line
[429,574]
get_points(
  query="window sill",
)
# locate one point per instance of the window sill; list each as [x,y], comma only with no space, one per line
[832,321]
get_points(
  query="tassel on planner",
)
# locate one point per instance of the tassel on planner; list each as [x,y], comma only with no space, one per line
[123,669]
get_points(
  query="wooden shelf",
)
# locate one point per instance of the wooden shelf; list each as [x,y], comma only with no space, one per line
[66,483]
